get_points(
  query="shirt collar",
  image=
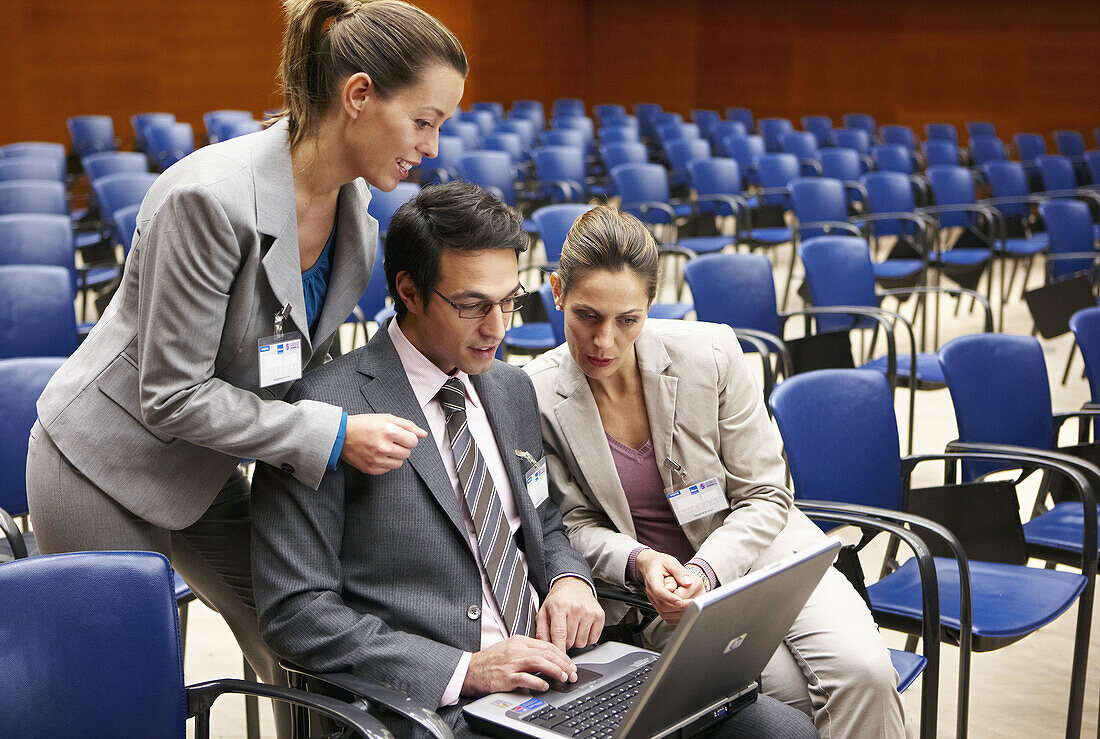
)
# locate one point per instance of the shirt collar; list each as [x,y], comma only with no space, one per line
[426,379]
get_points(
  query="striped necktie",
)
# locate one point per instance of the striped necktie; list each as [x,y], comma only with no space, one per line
[507,573]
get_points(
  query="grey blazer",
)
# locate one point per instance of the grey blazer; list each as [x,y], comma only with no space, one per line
[705,412]
[162,400]
[373,574]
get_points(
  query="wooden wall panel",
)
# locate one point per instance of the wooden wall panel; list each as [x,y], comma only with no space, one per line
[1019,64]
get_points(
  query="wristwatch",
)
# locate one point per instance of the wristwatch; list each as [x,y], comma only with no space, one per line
[697,570]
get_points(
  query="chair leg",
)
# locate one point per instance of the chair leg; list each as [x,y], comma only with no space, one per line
[251,706]
[790,271]
[1080,657]
[1069,362]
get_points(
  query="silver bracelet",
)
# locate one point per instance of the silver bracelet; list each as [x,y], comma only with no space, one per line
[696,569]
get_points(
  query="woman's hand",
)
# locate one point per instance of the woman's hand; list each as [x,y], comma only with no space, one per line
[379,442]
[669,586]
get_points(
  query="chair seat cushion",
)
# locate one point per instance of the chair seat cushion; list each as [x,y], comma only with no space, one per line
[531,336]
[675,311]
[963,257]
[705,244]
[928,367]
[771,235]
[908,665]
[1009,601]
[893,269]
[1026,247]
[1058,528]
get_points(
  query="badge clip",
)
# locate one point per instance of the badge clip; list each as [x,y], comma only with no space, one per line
[527,455]
[677,469]
[280,317]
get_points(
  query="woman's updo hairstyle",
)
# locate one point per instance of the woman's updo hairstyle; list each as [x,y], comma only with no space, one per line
[605,238]
[325,41]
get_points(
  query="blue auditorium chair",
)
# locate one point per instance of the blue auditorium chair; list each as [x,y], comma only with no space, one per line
[37,318]
[91,133]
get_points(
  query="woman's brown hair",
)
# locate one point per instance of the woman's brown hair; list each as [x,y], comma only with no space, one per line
[606,238]
[325,41]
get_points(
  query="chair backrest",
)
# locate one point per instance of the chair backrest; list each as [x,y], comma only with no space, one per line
[618,134]
[37,318]
[116,191]
[1069,143]
[560,164]
[1007,180]
[893,158]
[941,151]
[821,126]
[492,108]
[33,149]
[715,176]
[32,168]
[838,272]
[583,124]
[743,116]
[777,171]
[554,317]
[735,289]
[862,121]
[608,112]
[705,118]
[490,169]
[444,165]
[528,110]
[1000,391]
[170,142]
[951,186]
[1056,171]
[802,144]
[483,119]
[640,183]
[682,151]
[614,154]
[33,196]
[568,107]
[554,222]
[37,238]
[1092,158]
[674,131]
[564,137]
[114,162]
[979,128]
[840,436]
[214,120]
[105,662]
[1069,228]
[374,295]
[816,199]
[510,143]
[942,132]
[126,222]
[853,138]
[465,130]
[746,150]
[241,127]
[91,133]
[902,135]
[1029,146]
[987,149]
[140,121]
[384,204]
[1085,325]
[22,380]
[647,117]
[522,126]
[889,192]
[840,163]
[772,129]
[722,130]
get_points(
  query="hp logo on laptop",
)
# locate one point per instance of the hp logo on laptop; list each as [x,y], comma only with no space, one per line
[735,643]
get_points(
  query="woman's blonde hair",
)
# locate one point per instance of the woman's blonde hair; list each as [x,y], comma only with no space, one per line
[325,41]
[607,238]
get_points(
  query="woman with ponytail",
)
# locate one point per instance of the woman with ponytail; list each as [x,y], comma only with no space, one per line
[250,249]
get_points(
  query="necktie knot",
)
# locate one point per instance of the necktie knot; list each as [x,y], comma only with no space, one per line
[452,396]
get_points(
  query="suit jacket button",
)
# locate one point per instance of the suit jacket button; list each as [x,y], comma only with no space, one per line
[287,467]
[473,613]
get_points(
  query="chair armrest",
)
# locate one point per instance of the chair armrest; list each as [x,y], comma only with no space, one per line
[569,190]
[1086,411]
[829,225]
[675,250]
[773,342]
[812,164]
[1013,200]
[13,535]
[380,696]
[760,343]
[1077,192]
[202,695]
[988,327]
[643,209]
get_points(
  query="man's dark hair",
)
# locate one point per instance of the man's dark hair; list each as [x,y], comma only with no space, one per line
[455,215]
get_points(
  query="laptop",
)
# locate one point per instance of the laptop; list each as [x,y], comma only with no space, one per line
[708,669]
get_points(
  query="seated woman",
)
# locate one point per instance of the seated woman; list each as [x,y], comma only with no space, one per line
[634,410]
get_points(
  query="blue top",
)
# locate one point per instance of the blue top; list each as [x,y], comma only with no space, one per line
[315,288]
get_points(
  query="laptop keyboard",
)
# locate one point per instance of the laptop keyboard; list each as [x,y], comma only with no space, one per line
[596,714]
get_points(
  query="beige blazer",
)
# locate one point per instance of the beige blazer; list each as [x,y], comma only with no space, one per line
[706,412]
[162,400]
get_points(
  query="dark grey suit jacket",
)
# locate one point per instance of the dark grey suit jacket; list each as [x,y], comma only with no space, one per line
[373,574]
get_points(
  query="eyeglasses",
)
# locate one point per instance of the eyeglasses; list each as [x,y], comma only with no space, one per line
[483,308]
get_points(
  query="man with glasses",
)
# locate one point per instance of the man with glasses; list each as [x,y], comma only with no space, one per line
[449,576]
